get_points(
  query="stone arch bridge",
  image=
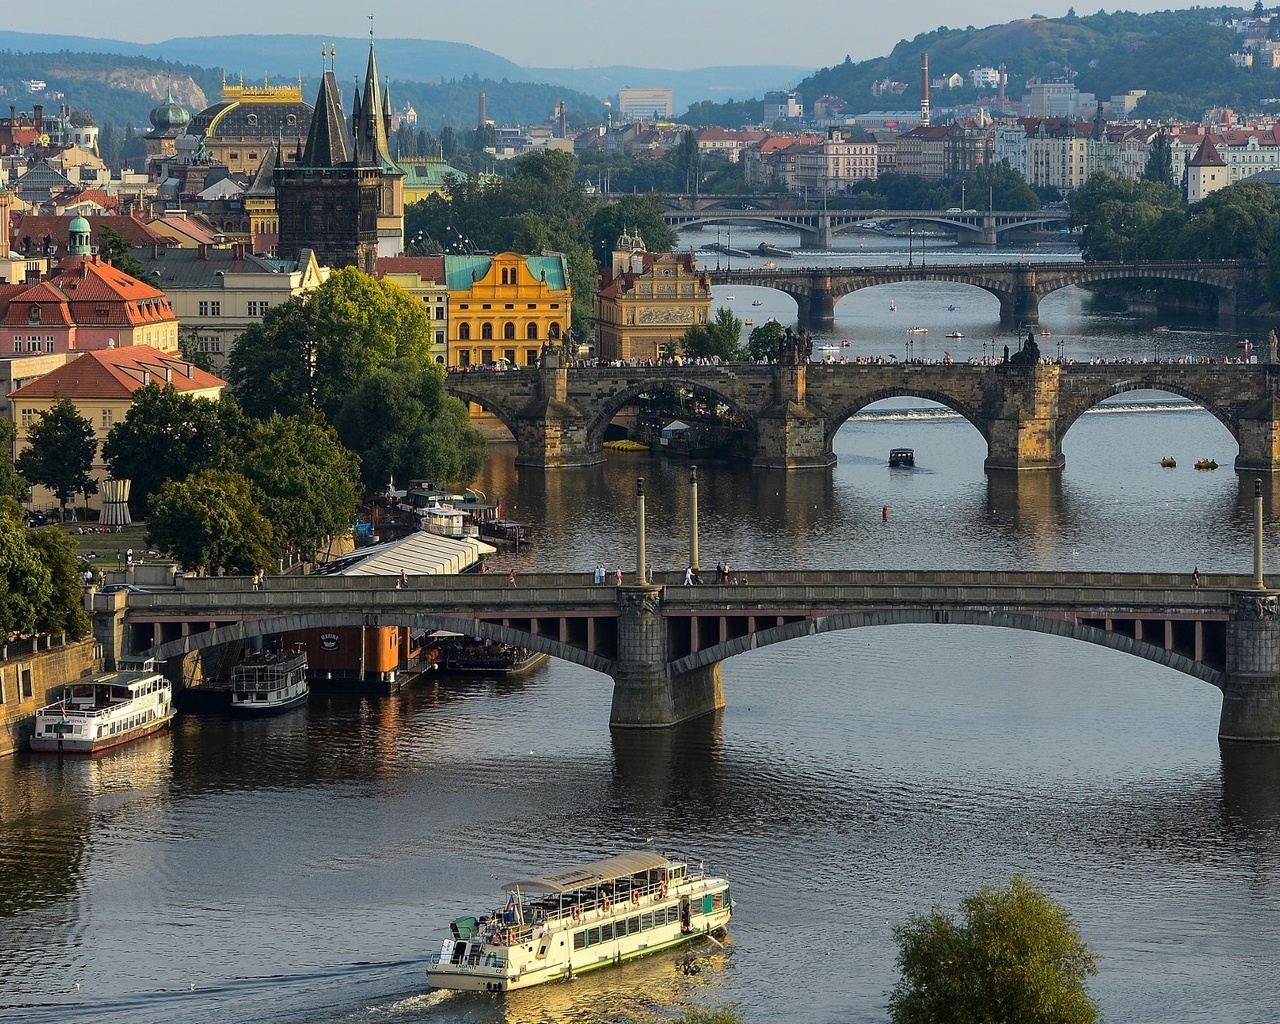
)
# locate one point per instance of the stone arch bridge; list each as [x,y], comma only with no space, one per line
[790,413]
[1236,284]
[663,645]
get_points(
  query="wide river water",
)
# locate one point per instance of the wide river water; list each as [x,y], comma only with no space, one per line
[301,869]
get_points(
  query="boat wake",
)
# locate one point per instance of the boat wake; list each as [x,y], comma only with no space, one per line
[415,1003]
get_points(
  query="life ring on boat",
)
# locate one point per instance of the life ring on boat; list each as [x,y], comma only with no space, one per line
[635,898]
[664,890]
[607,905]
[577,913]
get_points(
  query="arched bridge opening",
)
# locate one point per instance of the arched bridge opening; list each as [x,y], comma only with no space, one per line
[838,415]
[1194,647]
[688,399]
[1151,381]
[479,400]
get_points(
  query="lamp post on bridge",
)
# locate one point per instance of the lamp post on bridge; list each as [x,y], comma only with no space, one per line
[1155,345]
[693,517]
[641,574]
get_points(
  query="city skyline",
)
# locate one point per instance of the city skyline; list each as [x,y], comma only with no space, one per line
[579,37]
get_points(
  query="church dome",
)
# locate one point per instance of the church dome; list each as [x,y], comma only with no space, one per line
[170,116]
[78,225]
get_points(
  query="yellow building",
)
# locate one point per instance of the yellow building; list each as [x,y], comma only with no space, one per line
[646,301]
[505,307]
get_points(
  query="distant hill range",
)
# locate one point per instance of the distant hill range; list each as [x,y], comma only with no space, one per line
[441,79]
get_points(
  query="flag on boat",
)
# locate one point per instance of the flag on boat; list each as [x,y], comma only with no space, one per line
[509,914]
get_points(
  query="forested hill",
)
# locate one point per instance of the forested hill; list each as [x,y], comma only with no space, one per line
[1179,57]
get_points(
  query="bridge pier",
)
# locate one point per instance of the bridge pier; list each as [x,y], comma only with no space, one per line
[646,695]
[821,307]
[790,435]
[1021,305]
[1251,682]
[1022,418]
[1259,437]
[551,433]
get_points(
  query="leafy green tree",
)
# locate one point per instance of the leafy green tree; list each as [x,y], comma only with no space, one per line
[305,481]
[189,347]
[60,456]
[632,214]
[400,422]
[210,519]
[1159,166]
[25,580]
[311,351]
[62,610]
[721,337]
[1014,955]
[1118,216]
[12,484]
[166,436]
[765,341]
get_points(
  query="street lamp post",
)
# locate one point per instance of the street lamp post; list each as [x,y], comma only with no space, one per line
[1156,348]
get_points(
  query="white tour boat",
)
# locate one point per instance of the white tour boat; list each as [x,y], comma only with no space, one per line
[578,919]
[265,684]
[106,711]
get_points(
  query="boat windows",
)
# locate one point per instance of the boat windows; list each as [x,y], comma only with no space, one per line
[593,936]
[606,932]
[646,922]
[633,924]
[580,940]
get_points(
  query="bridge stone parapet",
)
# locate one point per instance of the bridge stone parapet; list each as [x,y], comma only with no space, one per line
[663,644]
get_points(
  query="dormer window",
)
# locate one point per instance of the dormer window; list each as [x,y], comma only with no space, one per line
[33,315]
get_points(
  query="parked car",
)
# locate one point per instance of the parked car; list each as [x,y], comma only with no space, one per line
[122,588]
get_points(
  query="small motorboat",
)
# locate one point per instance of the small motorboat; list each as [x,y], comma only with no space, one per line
[756,302]
[846,343]
[1206,464]
[1169,462]
[902,457]
[893,307]
[1045,332]
[748,322]
[829,347]
[955,334]
[951,308]
[730,298]
[917,330]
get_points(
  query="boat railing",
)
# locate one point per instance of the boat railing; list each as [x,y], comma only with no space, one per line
[594,905]
[489,959]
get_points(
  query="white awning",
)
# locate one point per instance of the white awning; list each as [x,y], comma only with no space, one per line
[419,554]
[570,879]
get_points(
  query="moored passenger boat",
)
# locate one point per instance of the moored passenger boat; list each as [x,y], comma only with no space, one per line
[578,919]
[109,710]
[267,684]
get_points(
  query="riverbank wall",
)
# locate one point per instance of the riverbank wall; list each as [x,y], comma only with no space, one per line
[31,672]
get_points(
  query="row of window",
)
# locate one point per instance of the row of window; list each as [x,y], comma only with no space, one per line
[628,926]
[33,343]
[486,357]
[508,331]
[506,305]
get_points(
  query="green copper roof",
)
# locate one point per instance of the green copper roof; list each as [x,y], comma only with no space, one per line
[457,270]
[427,173]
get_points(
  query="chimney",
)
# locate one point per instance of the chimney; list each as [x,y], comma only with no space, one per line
[37,117]
[924,90]
[1004,80]
[202,251]
[560,112]
[483,112]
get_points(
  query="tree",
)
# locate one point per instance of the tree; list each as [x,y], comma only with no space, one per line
[632,214]
[1159,166]
[12,484]
[189,347]
[401,424]
[305,481]
[1014,956]
[62,610]
[60,453]
[116,250]
[311,351]
[765,341]
[209,520]
[722,338]
[168,436]
[25,580]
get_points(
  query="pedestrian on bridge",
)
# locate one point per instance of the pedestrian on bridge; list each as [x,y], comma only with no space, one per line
[1195,577]
[599,574]
[617,576]
[511,577]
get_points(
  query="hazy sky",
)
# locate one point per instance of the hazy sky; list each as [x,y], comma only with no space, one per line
[569,33]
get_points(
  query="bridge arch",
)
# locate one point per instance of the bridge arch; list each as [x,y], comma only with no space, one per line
[937,616]
[249,629]
[619,399]
[836,416]
[1148,380]
[456,386]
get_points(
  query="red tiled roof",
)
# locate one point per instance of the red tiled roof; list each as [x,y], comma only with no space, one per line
[15,308]
[428,268]
[1207,156]
[117,373]
[37,226]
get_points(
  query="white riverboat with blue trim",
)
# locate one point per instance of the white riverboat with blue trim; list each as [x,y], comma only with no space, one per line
[269,684]
[109,710]
[561,924]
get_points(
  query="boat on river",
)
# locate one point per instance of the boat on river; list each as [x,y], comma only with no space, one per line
[578,919]
[1169,462]
[917,330]
[902,457]
[109,710]
[1206,464]
[269,684]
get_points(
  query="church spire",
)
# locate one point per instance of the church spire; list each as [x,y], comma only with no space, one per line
[372,124]
[327,144]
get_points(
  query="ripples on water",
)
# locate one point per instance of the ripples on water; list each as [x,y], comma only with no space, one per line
[301,869]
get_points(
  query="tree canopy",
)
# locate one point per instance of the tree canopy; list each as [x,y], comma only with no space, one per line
[311,351]
[721,337]
[25,580]
[60,453]
[401,424]
[210,519]
[1014,955]
[62,608]
[631,214]
[12,483]
[166,435]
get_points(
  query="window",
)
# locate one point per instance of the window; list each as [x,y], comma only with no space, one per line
[17,344]
[509,305]
[464,332]
[33,316]
[509,354]
[48,344]
[509,331]
[107,417]
[531,332]
[553,332]
[439,312]
[28,417]
[24,675]
[253,309]
[486,355]
[440,337]
[486,331]
[203,308]
[215,309]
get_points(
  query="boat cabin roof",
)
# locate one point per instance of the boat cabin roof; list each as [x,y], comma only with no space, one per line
[902,451]
[569,879]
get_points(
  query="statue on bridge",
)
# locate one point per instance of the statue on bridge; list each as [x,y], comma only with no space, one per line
[1027,356]
[796,348]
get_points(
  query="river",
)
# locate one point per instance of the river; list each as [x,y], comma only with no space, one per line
[300,869]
